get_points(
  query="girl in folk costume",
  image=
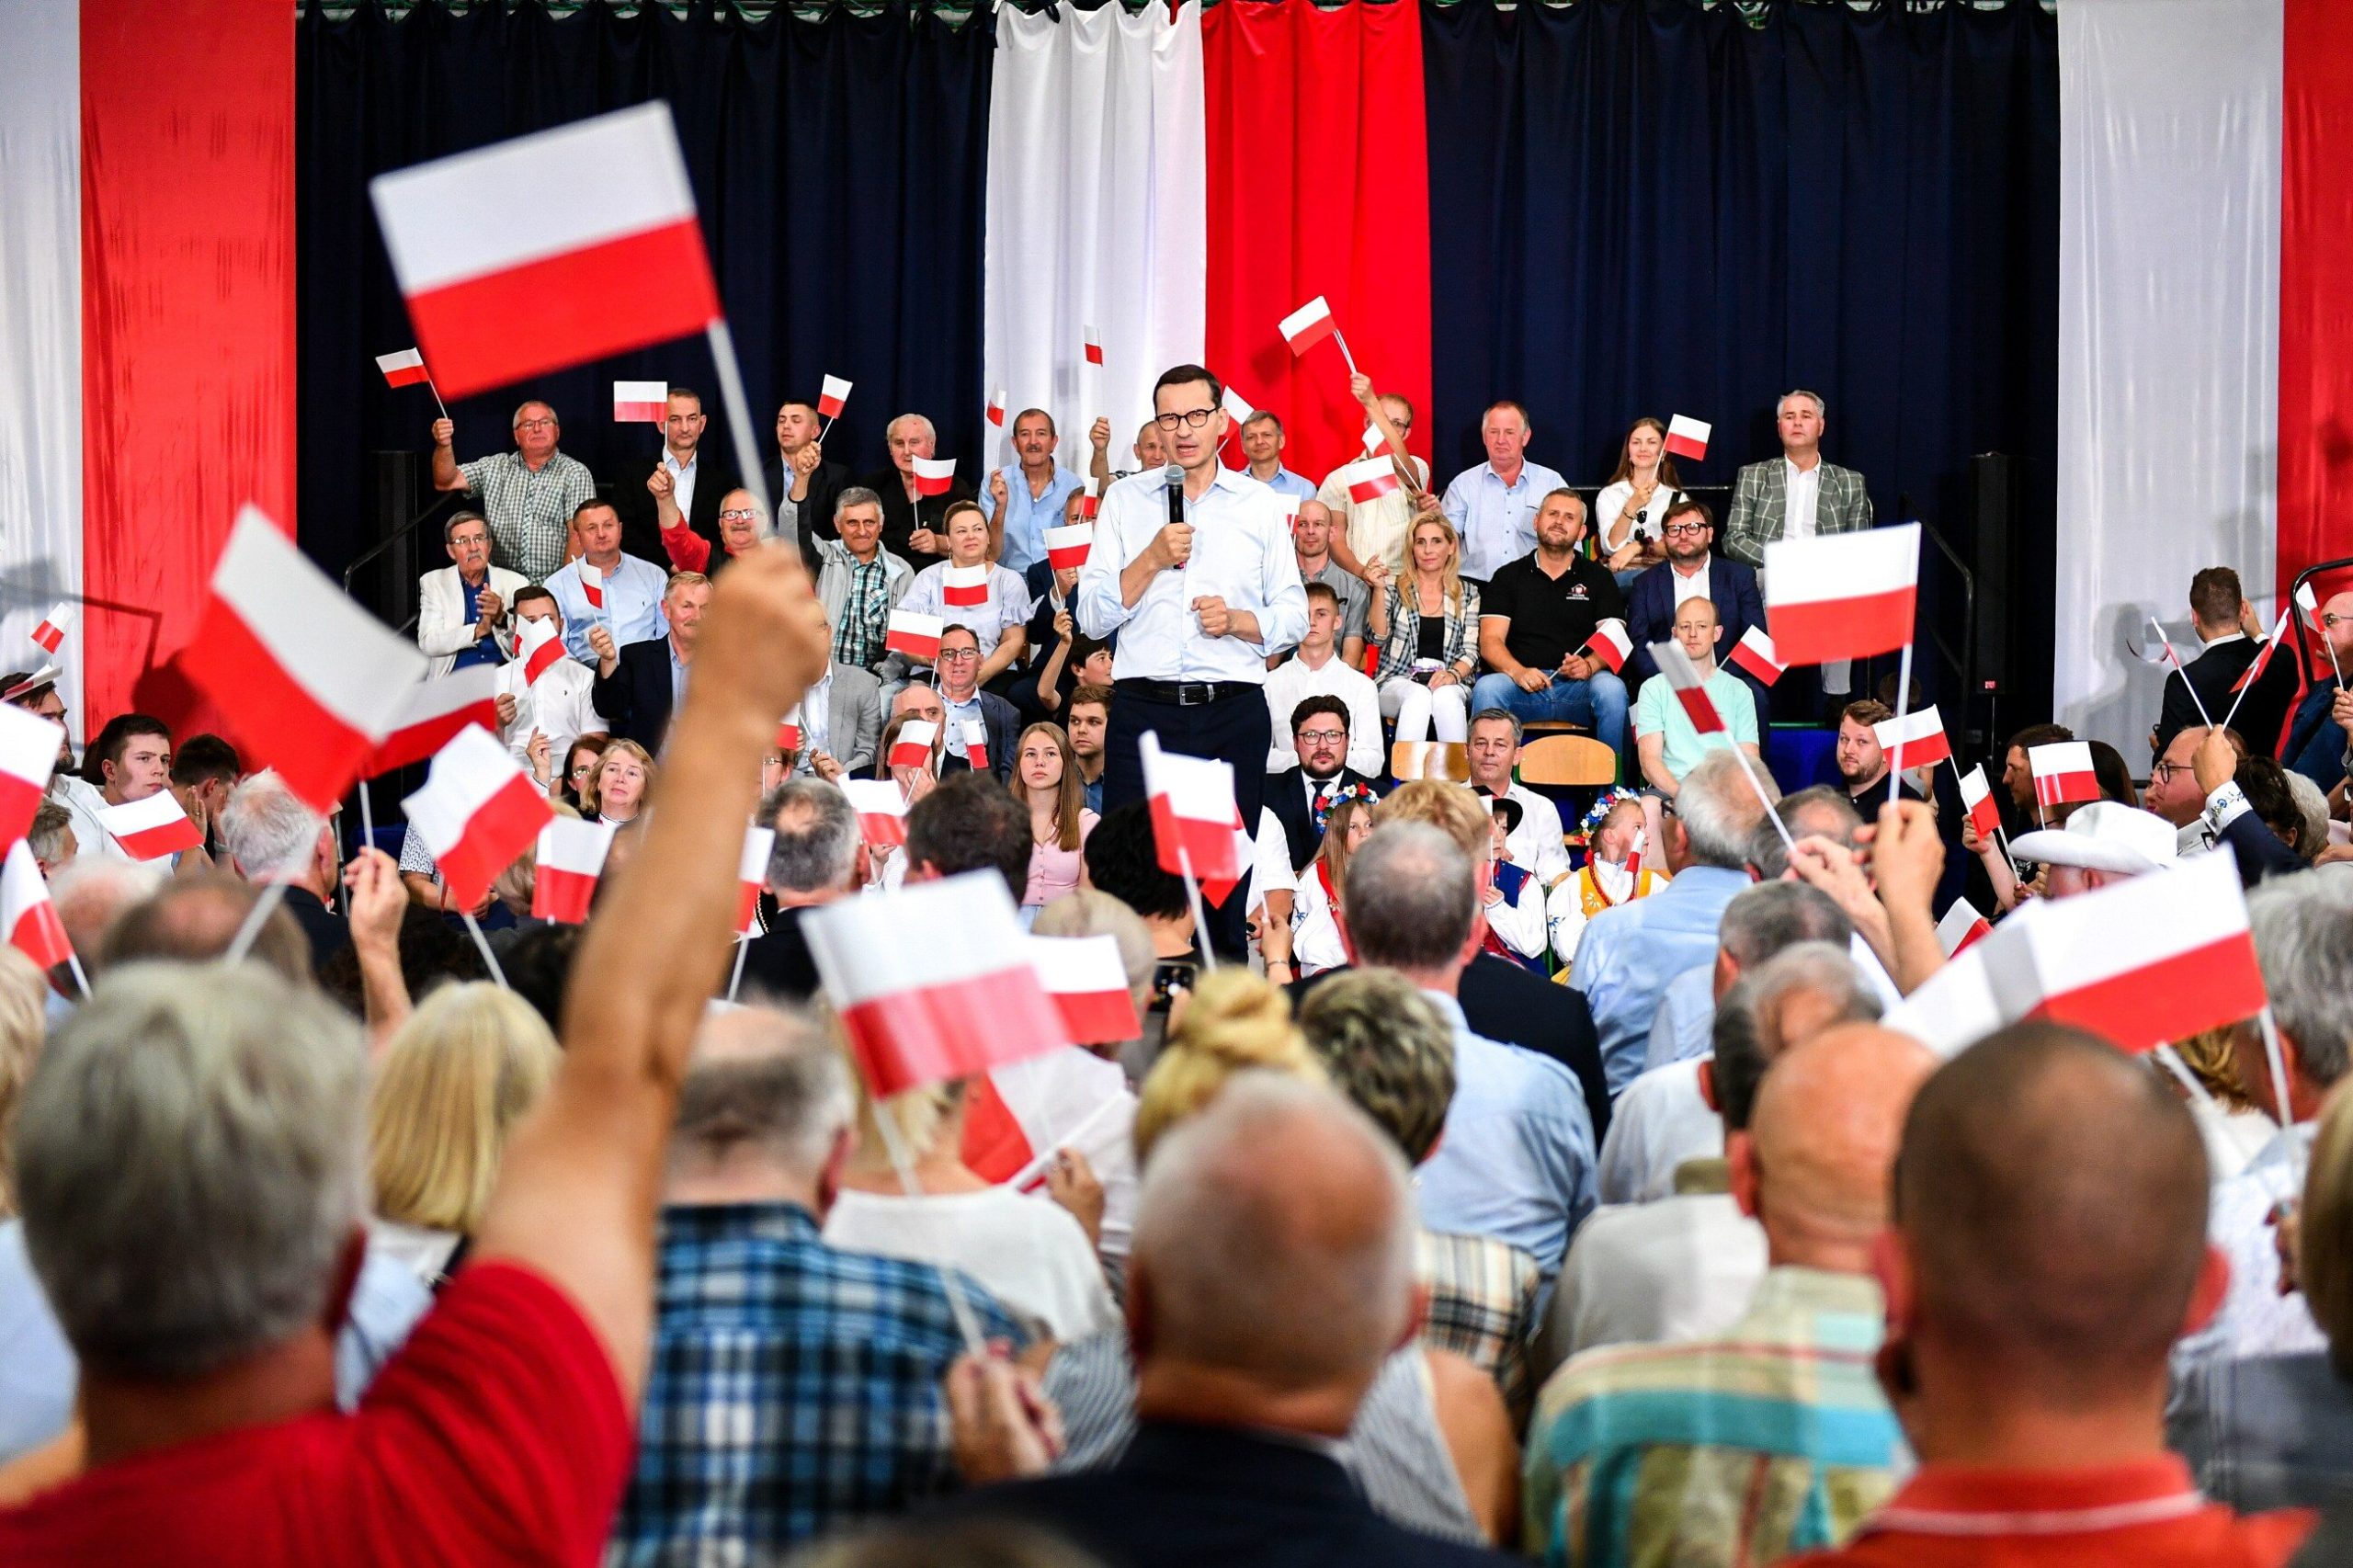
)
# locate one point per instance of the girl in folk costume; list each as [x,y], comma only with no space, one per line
[1614,871]
[1515,904]
[1315,931]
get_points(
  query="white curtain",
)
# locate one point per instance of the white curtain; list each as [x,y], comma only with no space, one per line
[2168,333]
[1097,203]
[40,328]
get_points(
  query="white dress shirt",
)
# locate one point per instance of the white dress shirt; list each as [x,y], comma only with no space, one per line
[1613,501]
[557,705]
[1007,603]
[817,719]
[1535,844]
[1660,1121]
[1291,683]
[1804,486]
[1682,1268]
[1694,586]
[682,479]
[1242,554]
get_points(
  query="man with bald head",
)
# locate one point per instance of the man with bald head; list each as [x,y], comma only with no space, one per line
[1264,1295]
[1775,1437]
[1311,541]
[2048,1247]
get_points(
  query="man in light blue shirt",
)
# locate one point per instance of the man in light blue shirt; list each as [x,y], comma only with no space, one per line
[1492,506]
[1025,497]
[1630,953]
[1262,446]
[1760,922]
[631,588]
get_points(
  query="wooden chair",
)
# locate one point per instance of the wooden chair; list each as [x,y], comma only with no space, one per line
[1559,760]
[1449,760]
[1553,727]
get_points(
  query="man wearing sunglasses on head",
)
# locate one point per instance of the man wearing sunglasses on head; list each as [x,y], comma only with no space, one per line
[1692,570]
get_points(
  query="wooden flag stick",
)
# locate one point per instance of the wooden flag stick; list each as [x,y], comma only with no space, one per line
[2174,660]
[2248,684]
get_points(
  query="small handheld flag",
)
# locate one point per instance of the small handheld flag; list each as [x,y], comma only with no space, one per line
[831,397]
[33,927]
[975,736]
[916,636]
[435,711]
[1960,928]
[1309,325]
[1370,479]
[28,757]
[477,812]
[1842,595]
[1691,687]
[1688,438]
[1066,548]
[2062,773]
[641,402]
[1756,654]
[50,635]
[751,877]
[996,408]
[1195,824]
[542,645]
[881,809]
[571,858]
[152,828]
[1977,797]
[1094,345]
[1610,642]
[1915,739]
[912,746]
[934,475]
[405,369]
[962,587]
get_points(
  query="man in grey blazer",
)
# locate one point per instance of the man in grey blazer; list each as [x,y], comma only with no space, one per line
[463,610]
[841,743]
[1795,496]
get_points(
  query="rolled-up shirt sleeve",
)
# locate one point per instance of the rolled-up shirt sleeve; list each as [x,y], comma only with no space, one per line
[1100,611]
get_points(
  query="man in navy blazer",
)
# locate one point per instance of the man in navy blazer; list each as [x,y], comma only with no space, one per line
[638,684]
[1692,568]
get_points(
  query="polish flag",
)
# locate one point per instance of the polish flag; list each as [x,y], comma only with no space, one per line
[882,810]
[1309,325]
[916,636]
[1960,928]
[1238,408]
[934,475]
[1087,505]
[1689,688]
[478,811]
[1755,653]
[1089,986]
[1369,480]
[1373,440]
[571,858]
[1196,828]
[1915,739]
[961,587]
[1687,437]
[788,731]
[34,928]
[405,369]
[641,402]
[152,828]
[1977,798]
[28,757]
[2308,602]
[1610,642]
[2062,773]
[535,253]
[433,710]
[2253,672]
[963,1000]
[1066,548]
[306,681]
[51,633]
[751,876]
[1024,1113]
[45,675]
[1093,342]
[975,735]
[592,584]
[913,747]
[542,644]
[1842,595]
[831,396]
[996,408]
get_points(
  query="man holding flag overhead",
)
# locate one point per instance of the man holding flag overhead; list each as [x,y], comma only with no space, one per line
[1193,568]
[528,494]
[2231,645]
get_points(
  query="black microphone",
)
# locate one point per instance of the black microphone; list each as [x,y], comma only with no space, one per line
[1173,476]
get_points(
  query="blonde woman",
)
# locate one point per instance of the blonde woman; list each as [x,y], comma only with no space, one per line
[1427,626]
[1234,1022]
[1045,780]
[456,1076]
[616,790]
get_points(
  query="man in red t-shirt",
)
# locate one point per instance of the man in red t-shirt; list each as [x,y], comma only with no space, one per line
[192,1183]
[2049,1246]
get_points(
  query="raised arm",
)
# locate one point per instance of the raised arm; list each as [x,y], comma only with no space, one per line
[445,457]
[578,1187]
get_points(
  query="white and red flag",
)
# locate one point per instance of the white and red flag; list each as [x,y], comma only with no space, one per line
[28,757]
[1688,438]
[641,402]
[2253,672]
[1066,548]
[1309,325]
[1916,739]
[1087,505]
[1370,479]
[1842,595]
[996,408]
[934,475]
[1977,799]
[963,999]
[1961,927]
[975,735]
[45,675]
[542,644]
[1756,654]
[2062,773]
[1089,986]
[961,587]
[1024,1113]
[912,748]
[1691,687]
[592,584]
[1238,408]
[478,811]
[1093,342]
[31,920]
[882,810]
[916,636]
[306,681]
[751,876]
[535,253]
[50,635]
[152,828]
[2309,603]
[1610,642]
[1196,828]
[831,395]
[432,713]
[405,369]
[571,858]
[788,731]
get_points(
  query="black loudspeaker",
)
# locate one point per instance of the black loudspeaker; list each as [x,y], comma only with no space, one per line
[1993,479]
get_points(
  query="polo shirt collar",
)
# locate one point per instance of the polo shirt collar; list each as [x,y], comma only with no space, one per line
[1981,1501]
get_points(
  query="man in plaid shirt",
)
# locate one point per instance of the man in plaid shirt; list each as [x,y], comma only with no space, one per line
[528,494]
[795,1387]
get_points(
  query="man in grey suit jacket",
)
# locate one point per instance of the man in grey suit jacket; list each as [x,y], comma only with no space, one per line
[851,700]
[1822,497]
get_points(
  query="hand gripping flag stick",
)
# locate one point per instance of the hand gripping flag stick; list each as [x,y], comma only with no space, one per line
[2255,670]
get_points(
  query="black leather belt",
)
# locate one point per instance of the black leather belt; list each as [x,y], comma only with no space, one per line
[1187,693]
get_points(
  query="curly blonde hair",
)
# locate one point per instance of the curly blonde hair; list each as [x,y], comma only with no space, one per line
[1235,1022]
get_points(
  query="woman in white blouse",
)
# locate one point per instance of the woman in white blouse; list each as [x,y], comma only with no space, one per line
[1314,932]
[1630,514]
[998,603]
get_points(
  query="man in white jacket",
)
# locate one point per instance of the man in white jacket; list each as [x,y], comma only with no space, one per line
[462,610]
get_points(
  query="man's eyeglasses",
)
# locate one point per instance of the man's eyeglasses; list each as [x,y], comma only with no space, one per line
[739,515]
[1322,737]
[1672,528]
[2163,772]
[1193,419]
[532,424]
[957,655]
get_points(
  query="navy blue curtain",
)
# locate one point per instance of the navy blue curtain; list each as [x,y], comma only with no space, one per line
[1642,207]
[839,166]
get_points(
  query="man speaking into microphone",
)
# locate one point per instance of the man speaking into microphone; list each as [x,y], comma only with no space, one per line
[1194,569]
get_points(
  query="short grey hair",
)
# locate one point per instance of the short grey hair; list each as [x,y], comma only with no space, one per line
[47,834]
[92,893]
[1719,809]
[1412,897]
[1825,968]
[853,495]
[2313,806]
[1821,406]
[1499,716]
[929,431]
[517,423]
[818,854]
[191,1166]
[1771,855]
[266,830]
[1762,921]
[2303,943]
[763,1077]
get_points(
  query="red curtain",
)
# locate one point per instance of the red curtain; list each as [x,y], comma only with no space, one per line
[2316,302]
[187,318]
[1318,184]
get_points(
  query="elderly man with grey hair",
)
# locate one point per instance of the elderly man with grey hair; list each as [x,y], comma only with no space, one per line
[859,582]
[817,856]
[1516,1161]
[270,836]
[1264,1296]
[1630,953]
[751,1438]
[911,519]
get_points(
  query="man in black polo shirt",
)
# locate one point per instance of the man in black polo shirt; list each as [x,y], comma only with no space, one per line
[1534,620]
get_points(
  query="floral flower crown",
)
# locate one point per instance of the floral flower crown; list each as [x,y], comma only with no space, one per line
[1590,824]
[1325,806]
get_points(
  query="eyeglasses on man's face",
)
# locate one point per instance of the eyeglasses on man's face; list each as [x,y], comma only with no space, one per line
[1193,419]
[1322,737]
[1674,528]
[957,655]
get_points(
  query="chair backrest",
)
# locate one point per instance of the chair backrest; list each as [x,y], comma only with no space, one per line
[1567,759]
[1449,760]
